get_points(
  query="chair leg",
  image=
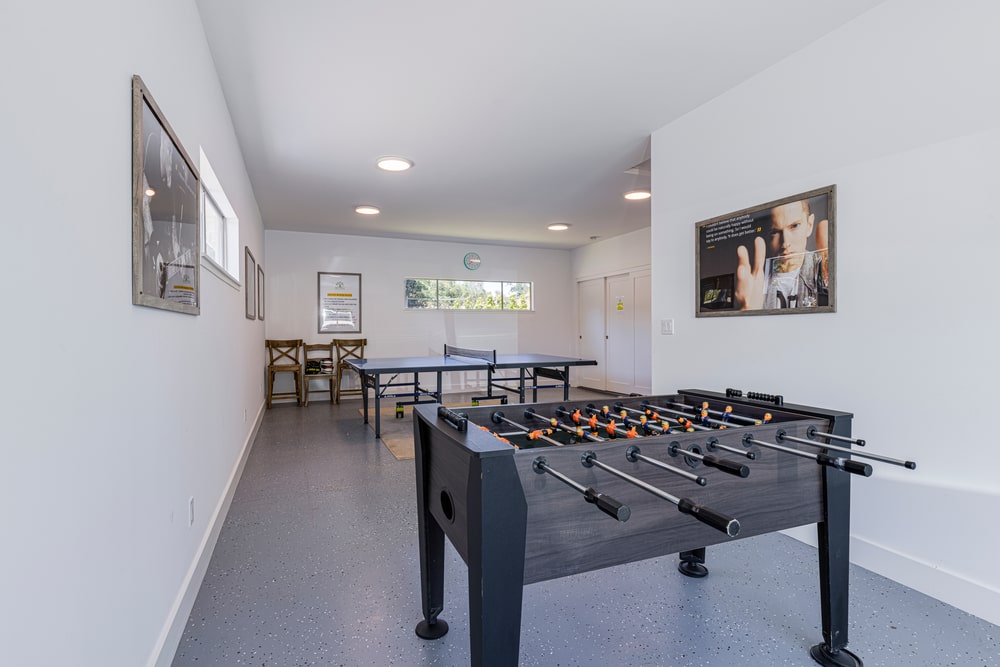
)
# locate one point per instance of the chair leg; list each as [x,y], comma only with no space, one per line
[298,389]
[305,390]
[270,387]
[338,385]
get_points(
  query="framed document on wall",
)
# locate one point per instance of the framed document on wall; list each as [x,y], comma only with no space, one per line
[339,302]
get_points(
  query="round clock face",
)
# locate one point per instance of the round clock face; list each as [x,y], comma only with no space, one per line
[472,261]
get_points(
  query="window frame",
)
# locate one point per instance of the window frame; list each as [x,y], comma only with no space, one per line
[212,194]
[435,305]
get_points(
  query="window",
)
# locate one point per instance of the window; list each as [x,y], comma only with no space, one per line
[220,228]
[436,294]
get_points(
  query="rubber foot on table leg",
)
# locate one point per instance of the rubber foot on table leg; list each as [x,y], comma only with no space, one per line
[690,569]
[842,658]
[433,630]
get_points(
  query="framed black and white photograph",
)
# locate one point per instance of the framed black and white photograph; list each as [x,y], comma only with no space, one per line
[260,292]
[250,283]
[339,302]
[776,258]
[166,212]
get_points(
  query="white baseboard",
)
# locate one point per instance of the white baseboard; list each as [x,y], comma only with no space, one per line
[975,598]
[170,637]
[960,592]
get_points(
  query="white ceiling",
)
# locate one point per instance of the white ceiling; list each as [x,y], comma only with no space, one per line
[517,113]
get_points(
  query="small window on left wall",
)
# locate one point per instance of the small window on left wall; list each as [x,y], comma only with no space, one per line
[220,240]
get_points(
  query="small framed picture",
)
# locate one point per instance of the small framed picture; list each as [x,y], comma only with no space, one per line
[250,283]
[260,292]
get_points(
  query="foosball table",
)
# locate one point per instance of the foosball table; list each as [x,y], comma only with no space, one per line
[531,493]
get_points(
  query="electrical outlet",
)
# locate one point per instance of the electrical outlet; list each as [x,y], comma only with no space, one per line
[190,511]
[667,327]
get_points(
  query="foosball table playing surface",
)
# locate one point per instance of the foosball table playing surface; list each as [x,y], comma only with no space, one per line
[535,492]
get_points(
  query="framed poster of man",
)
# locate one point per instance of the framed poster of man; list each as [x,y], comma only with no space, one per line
[773,259]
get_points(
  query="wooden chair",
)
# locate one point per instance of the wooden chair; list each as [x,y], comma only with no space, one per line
[319,353]
[348,348]
[284,356]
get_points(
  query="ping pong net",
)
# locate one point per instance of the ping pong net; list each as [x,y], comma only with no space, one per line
[489,356]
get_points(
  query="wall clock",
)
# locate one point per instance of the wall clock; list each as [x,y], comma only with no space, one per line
[472,261]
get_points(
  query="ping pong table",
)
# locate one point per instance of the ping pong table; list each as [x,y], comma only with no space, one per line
[530,368]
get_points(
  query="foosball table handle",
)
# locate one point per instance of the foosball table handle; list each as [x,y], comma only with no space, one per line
[847,465]
[607,504]
[717,520]
[457,421]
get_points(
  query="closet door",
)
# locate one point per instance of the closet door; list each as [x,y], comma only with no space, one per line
[590,300]
[620,349]
[643,291]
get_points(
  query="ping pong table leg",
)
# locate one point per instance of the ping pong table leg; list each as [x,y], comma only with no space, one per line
[364,394]
[520,385]
[378,407]
[565,383]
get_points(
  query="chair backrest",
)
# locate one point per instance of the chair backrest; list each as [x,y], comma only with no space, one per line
[283,352]
[349,348]
[317,353]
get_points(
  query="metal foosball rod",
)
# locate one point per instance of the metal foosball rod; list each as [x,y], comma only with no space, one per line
[592,421]
[634,454]
[710,517]
[726,414]
[812,431]
[530,413]
[703,417]
[687,417]
[650,421]
[605,503]
[538,434]
[910,465]
[610,426]
[853,467]
[710,460]
[713,443]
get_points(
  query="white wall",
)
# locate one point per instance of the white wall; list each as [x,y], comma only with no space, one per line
[293,260]
[619,254]
[899,108]
[113,415]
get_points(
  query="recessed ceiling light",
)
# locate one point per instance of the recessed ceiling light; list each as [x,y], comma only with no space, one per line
[367,210]
[391,163]
[636,195]
[558,227]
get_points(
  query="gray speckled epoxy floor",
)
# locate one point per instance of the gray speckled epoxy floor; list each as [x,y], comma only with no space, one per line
[317,564]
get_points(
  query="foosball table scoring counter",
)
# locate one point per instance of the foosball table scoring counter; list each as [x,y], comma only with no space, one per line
[531,493]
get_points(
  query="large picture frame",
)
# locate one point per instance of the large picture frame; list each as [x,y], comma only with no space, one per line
[249,283]
[339,302]
[777,258]
[166,212]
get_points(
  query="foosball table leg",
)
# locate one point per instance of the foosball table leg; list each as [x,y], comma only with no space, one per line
[431,538]
[692,563]
[834,540]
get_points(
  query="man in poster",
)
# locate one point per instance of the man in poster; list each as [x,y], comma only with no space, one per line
[783,273]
